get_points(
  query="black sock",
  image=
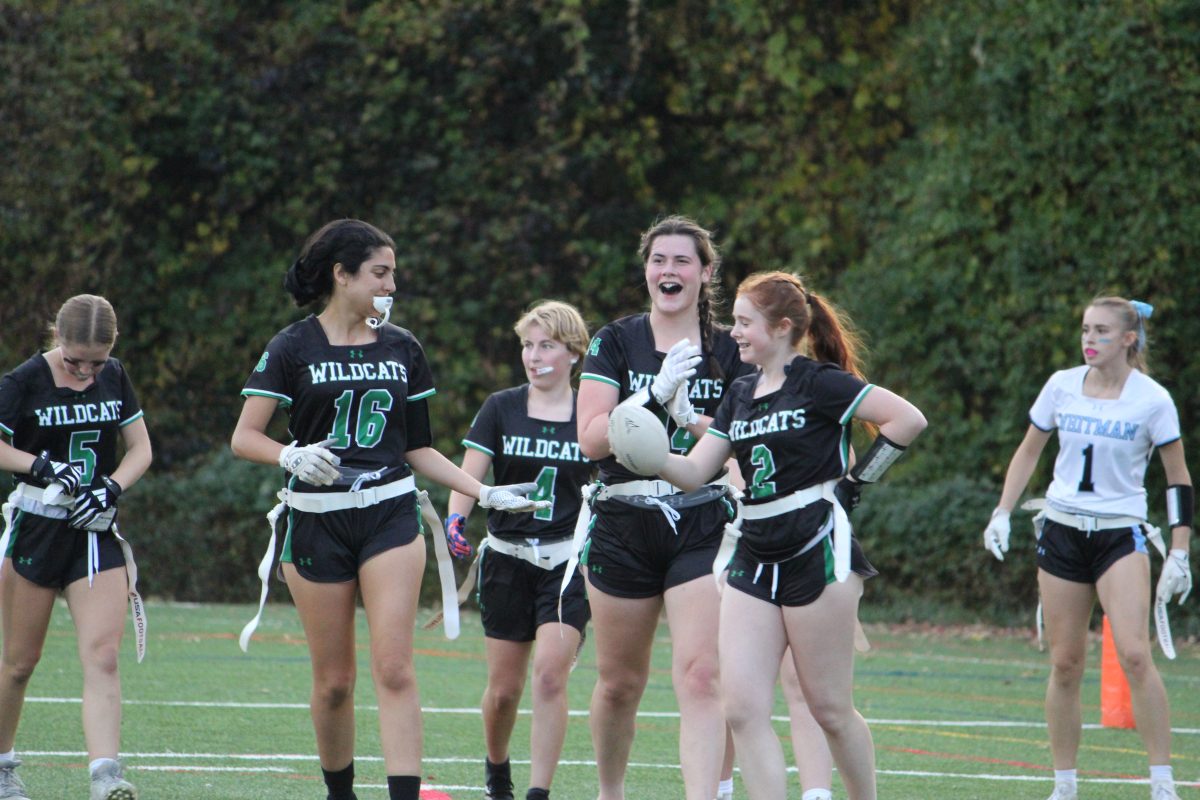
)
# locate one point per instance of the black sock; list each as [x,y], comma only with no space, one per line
[340,783]
[536,793]
[404,787]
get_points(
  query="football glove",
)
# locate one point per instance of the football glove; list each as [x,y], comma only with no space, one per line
[848,492]
[511,497]
[312,463]
[995,535]
[66,475]
[456,541]
[96,508]
[680,407]
[1176,577]
[679,364]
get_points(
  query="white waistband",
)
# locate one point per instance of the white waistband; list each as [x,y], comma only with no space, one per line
[790,502]
[1090,522]
[547,556]
[651,488]
[320,502]
[32,499]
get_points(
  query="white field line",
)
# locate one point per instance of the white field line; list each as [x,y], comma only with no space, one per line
[931,723]
[134,767]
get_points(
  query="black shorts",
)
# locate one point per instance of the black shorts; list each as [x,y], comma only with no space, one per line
[797,581]
[516,597]
[1075,555]
[633,552]
[50,553]
[330,547]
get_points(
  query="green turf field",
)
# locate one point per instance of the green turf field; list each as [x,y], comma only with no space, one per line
[955,714]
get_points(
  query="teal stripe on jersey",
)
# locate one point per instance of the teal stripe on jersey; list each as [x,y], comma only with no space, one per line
[591,376]
[479,447]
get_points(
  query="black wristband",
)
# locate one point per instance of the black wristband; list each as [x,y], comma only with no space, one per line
[1181,501]
[881,455]
[113,487]
[40,464]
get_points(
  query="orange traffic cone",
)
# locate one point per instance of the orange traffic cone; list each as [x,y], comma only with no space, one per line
[1116,709]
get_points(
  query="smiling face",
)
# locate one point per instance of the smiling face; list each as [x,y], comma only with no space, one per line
[376,277]
[758,343]
[83,362]
[1104,340]
[674,273]
[547,361]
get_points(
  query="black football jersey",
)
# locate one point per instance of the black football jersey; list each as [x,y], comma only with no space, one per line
[622,354]
[369,399]
[80,427]
[528,450]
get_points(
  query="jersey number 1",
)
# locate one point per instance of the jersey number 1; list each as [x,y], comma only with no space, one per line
[1085,484]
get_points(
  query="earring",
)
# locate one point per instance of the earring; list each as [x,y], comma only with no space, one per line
[574,360]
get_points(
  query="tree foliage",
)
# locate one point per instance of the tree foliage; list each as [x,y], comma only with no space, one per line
[962,177]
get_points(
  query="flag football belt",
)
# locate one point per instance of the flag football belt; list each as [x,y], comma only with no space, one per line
[323,502]
[547,556]
[32,500]
[1090,523]
[791,502]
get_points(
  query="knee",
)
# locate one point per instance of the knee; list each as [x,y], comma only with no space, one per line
[549,682]
[395,676]
[832,714]
[698,678]
[619,688]
[503,695]
[19,669]
[103,659]
[1136,663]
[332,689]
[1066,668]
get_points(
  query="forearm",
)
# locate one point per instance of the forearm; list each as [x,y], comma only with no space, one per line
[436,467]
[475,464]
[134,465]
[255,446]
[15,461]
[1020,470]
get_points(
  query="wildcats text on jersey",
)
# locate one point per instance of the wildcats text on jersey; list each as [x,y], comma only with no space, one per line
[792,419]
[1094,426]
[528,447]
[698,388]
[335,371]
[106,411]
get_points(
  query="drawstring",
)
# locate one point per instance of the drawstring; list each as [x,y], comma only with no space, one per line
[670,513]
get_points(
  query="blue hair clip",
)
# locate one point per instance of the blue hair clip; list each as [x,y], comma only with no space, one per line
[1144,310]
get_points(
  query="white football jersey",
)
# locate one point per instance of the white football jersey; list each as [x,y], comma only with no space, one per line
[1104,445]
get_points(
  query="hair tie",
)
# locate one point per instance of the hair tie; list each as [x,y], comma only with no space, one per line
[1144,312]
[807,299]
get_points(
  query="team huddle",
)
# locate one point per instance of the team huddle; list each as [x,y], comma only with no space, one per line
[665,464]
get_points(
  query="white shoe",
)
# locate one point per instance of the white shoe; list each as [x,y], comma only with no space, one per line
[1063,791]
[724,795]
[1163,791]
[11,787]
[108,783]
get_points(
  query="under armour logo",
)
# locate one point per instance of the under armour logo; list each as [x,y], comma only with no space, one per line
[548,429]
[304,562]
[356,353]
[25,560]
[737,573]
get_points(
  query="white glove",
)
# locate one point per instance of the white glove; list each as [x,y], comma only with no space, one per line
[995,535]
[680,407]
[511,497]
[1176,577]
[312,463]
[679,364]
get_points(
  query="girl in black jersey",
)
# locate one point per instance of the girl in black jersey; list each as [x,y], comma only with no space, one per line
[652,545]
[64,412]
[797,573]
[356,389]
[528,434]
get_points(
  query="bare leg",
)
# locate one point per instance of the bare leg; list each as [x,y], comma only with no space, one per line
[507,664]
[827,679]
[99,614]
[1066,609]
[693,608]
[25,616]
[327,614]
[752,642]
[391,586]
[1124,591]
[623,629]
[551,667]
[814,762]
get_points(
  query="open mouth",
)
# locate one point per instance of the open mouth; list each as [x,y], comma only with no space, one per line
[670,288]
[1090,353]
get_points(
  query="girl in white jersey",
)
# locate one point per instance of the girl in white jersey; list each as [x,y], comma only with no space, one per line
[1110,417]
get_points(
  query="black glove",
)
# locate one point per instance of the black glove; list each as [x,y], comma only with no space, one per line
[96,509]
[848,493]
[48,472]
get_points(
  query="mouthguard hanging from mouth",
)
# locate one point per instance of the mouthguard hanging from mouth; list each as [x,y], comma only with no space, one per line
[383,305]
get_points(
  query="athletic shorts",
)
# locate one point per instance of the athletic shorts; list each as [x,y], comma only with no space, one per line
[516,598]
[330,547]
[50,553]
[633,552]
[796,581]
[1076,555]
